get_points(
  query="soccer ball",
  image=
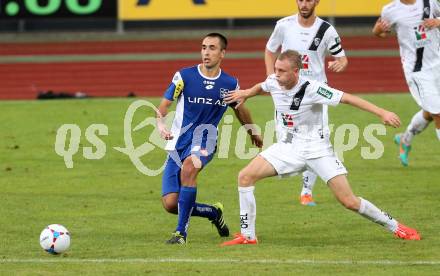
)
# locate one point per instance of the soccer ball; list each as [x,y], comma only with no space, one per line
[55,239]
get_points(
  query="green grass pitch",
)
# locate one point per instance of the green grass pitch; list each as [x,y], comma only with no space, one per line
[118,225]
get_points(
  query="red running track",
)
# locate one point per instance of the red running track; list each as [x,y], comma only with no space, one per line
[150,78]
[22,81]
[172,46]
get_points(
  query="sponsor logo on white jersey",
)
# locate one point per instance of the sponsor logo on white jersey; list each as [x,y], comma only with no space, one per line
[325,93]
[306,70]
[421,36]
[288,119]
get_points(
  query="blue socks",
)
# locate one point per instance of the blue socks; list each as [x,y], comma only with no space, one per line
[188,207]
[205,211]
[186,203]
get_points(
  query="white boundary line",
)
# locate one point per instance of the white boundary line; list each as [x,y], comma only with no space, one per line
[220,261]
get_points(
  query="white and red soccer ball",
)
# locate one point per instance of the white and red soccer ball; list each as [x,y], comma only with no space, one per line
[55,239]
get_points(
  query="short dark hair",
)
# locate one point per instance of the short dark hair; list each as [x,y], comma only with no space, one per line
[293,57]
[222,38]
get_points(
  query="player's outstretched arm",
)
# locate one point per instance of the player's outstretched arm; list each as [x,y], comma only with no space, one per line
[382,28]
[244,116]
[160,119]
[387,117]
[240,96]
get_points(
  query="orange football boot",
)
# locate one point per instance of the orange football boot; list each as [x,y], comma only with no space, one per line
[406,233]
[239,239]
[307,200]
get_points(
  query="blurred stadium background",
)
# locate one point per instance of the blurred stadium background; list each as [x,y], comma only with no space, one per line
[110,48]
[114,48]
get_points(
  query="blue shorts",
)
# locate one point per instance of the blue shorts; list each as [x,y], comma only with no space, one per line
[171,174]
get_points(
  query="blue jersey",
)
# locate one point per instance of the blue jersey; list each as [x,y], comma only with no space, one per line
[199,109]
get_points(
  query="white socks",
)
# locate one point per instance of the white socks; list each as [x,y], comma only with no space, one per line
[417,125]
[437,130]
[371,212]
[248,211]
[309,179]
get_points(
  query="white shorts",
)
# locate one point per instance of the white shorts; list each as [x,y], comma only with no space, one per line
[425,89]
[288,161]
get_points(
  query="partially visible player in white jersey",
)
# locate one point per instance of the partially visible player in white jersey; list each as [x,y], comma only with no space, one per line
[301,146]
[313,38]
[417,25]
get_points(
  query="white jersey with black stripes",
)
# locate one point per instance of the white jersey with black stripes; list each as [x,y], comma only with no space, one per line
[313,43]
[419,46]
[300,109]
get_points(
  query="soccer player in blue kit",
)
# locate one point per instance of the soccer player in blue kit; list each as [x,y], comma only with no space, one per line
[199,92]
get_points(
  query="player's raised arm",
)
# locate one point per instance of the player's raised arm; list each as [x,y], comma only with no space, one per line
[382,28]
[387,117]
[240,96]
[160,119]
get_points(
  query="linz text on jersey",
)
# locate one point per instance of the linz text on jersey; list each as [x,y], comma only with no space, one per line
[201,100]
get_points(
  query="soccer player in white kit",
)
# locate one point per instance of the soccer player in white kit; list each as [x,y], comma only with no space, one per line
[313,38]
[417,25]
[300,105]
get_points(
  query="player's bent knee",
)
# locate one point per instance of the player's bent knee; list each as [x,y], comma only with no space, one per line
[170,208]
[245,179]
[427,116]
[435,116]
[169,203]
[188,174]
